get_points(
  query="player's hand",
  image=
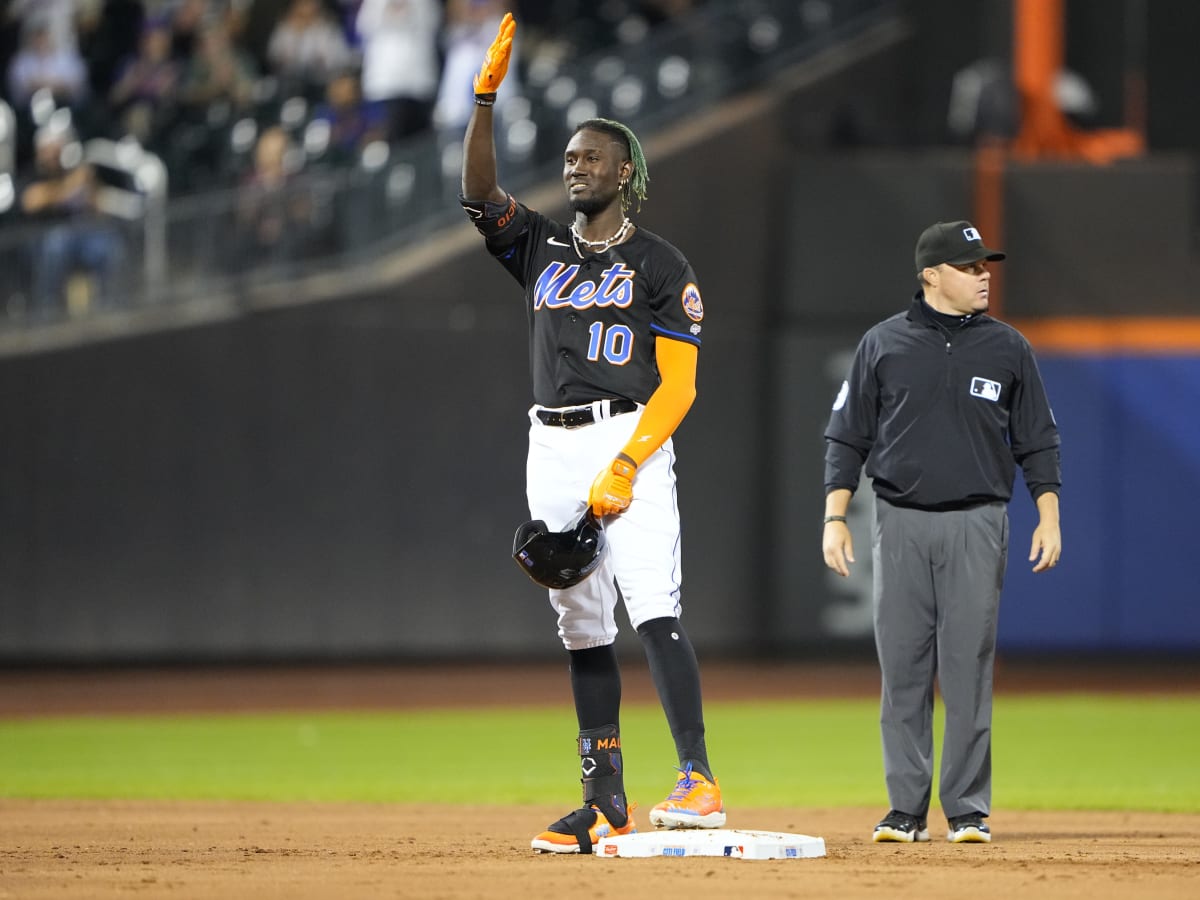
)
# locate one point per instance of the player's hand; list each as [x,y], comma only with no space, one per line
[495,64]
[612,491]
[838,547]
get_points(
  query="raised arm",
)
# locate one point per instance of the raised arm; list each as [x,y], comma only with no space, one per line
[479,179]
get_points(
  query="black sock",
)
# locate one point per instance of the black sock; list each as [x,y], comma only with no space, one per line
[676,676]
[596,684]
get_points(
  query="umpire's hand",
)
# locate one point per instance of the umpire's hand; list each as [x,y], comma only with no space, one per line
[1047,546]
[838,547]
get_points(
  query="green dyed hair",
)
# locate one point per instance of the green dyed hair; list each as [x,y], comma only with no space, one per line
[635,187]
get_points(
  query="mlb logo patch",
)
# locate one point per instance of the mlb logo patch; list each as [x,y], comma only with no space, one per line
[985,388]
[971,234]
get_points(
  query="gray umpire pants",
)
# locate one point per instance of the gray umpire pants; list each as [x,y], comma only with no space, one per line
[938,577]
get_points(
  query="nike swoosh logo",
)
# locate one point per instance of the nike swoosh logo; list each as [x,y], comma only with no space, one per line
[555,242]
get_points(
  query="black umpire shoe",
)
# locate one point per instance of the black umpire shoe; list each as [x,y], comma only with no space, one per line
[901,826]
[969,829]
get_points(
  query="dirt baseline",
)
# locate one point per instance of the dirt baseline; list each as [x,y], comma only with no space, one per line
[89,849]
[81,850]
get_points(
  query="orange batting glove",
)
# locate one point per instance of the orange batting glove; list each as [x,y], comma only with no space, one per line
[612,491]
[495,64]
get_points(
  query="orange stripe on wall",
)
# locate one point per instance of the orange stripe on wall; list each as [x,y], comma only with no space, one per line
[1115,335]
[988,214]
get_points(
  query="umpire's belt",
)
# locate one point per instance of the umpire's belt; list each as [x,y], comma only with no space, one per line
[575,416]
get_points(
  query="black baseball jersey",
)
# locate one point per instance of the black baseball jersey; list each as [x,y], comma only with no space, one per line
[593,317]
[940,413]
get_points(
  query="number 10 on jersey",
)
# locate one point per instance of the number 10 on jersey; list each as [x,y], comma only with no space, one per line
[616,344]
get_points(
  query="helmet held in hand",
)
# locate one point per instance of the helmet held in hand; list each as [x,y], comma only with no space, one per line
[560,559]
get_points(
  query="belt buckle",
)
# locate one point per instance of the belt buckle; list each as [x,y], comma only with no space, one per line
[571,418]
[574,418]
[555,418]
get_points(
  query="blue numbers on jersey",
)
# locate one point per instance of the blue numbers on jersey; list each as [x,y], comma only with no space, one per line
[616,344]
[556,288]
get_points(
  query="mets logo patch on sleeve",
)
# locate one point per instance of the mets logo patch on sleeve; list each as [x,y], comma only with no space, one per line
[692,304]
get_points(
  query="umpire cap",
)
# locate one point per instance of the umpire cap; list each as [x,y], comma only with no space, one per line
[956,243]
[560,559]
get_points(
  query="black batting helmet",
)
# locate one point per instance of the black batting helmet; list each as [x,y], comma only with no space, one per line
[560,559]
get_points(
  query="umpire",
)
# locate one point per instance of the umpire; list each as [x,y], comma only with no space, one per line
[940,401]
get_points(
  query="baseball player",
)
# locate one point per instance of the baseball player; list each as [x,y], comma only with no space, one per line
[614,325]
[941,403]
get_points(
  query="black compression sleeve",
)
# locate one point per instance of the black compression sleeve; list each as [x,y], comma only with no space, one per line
[676,675]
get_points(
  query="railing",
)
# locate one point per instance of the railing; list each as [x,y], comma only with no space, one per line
[228,241]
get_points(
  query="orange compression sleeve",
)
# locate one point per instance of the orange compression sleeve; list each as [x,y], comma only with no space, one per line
[670,402]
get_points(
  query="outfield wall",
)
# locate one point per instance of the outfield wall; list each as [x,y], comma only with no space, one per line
[341,479]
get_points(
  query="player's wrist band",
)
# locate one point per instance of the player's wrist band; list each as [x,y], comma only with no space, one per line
[486,99]
[829,519]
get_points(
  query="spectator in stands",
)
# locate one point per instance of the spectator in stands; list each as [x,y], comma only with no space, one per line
[60,16]
[78,237]
[219,71]
[307,48]
[274,218]
[400,63]
[353,122]
[143,96]
[44,61]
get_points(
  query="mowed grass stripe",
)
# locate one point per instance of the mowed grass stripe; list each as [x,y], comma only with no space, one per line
[1049,752]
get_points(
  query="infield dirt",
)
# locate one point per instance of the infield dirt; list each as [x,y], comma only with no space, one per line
[90,849]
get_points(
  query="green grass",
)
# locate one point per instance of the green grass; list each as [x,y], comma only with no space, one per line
[1060,752]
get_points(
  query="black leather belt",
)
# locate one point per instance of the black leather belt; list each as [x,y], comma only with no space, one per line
[582,415]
